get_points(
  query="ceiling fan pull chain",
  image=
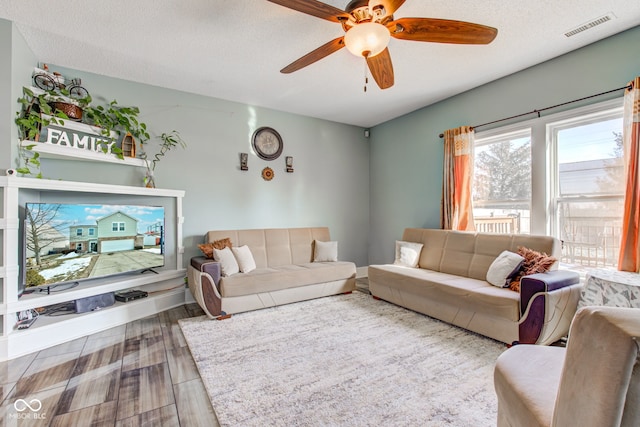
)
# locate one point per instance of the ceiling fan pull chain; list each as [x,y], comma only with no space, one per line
[366,78]
[366,72]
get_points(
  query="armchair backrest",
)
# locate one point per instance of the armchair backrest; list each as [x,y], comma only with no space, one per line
[600,383]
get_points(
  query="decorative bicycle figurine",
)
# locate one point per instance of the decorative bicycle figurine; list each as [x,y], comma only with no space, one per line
[56,82]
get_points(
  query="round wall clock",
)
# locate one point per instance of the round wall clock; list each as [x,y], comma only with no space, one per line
[267,143]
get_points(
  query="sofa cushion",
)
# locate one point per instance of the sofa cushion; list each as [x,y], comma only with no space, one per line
[228,263]
[284,277]
[408,253]
[534,262]
[470,254]
[450,289]
[207,248]
[325,251]
[245,260]
[503,268]
[275,247]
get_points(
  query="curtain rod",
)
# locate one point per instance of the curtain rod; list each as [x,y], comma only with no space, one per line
[538,111]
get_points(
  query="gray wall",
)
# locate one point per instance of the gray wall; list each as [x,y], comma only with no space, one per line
[330,185]
[406,153]
[14,74]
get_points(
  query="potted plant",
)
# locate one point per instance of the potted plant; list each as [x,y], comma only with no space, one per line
[169,141]
[39,111]
[117,118]
[35,114]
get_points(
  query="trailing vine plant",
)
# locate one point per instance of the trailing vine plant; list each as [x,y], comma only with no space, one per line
[37,113]
[169,141]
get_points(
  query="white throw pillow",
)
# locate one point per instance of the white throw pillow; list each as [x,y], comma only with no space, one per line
[408,253]
[228,263]
[503,268]
[325,251]
[243,255]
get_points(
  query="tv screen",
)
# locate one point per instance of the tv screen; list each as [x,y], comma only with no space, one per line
[66,243]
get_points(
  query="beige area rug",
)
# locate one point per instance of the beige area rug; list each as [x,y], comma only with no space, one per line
[346,360]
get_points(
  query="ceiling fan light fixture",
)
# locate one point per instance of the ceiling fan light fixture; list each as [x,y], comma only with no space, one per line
[367,39]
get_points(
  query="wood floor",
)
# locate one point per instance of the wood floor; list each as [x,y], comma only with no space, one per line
[138,374]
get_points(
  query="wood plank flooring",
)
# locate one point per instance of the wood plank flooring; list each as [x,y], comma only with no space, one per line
[138,374]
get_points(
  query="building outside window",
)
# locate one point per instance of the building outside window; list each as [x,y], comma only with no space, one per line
[588,187]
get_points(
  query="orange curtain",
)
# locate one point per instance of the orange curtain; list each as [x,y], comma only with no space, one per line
[629,259]
[457,211]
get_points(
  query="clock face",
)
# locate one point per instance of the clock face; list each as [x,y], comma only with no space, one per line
[267,143]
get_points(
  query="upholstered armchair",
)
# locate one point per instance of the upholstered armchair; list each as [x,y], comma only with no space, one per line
[594,381]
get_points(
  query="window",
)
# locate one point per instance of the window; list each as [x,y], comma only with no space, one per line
[560,175]
[502,182]
[587,187]
[117,226]
[78,231]
[92,232]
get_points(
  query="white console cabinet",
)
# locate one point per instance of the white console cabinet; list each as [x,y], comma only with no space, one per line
[166,289]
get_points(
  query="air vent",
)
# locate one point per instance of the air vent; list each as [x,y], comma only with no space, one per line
[584,27]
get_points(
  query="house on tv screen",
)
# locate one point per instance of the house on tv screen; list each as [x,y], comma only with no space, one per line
[112,233]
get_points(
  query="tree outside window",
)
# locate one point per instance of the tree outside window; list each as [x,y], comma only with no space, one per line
[502,183]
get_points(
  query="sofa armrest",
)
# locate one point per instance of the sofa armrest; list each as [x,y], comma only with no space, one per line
[548,302]
[544,282]
[203,278]
[207,265]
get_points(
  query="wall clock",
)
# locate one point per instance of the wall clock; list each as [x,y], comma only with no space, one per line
[267,143]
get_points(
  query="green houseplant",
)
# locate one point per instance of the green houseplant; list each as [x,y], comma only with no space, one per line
[169,141]
[38,111]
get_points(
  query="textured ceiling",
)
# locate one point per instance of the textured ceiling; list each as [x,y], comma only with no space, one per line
[234,49]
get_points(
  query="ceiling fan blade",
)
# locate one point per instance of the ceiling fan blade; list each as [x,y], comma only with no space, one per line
[315,8]
[441,31]
[315,55]
[390,6]
[381,69]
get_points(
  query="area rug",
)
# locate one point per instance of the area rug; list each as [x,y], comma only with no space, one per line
[346,360]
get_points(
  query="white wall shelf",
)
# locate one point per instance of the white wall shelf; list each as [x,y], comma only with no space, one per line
[166,288]
[52,151]
[87,289]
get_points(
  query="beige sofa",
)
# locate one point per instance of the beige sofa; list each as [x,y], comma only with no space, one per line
[285,271]
[450,284]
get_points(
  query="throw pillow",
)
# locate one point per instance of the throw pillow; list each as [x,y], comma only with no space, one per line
[228,263]
[407,253]
[243,255]
[325,251]
[222,243]
[534,262]
[503,268]
[207,248]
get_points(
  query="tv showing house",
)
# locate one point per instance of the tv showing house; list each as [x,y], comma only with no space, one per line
[66,243]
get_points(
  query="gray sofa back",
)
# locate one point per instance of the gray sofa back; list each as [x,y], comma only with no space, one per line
[275,247]
[470,254]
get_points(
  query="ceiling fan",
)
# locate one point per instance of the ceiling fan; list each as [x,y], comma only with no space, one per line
[368,26]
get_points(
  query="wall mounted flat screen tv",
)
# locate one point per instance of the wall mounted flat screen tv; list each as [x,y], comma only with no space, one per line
[67,243]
